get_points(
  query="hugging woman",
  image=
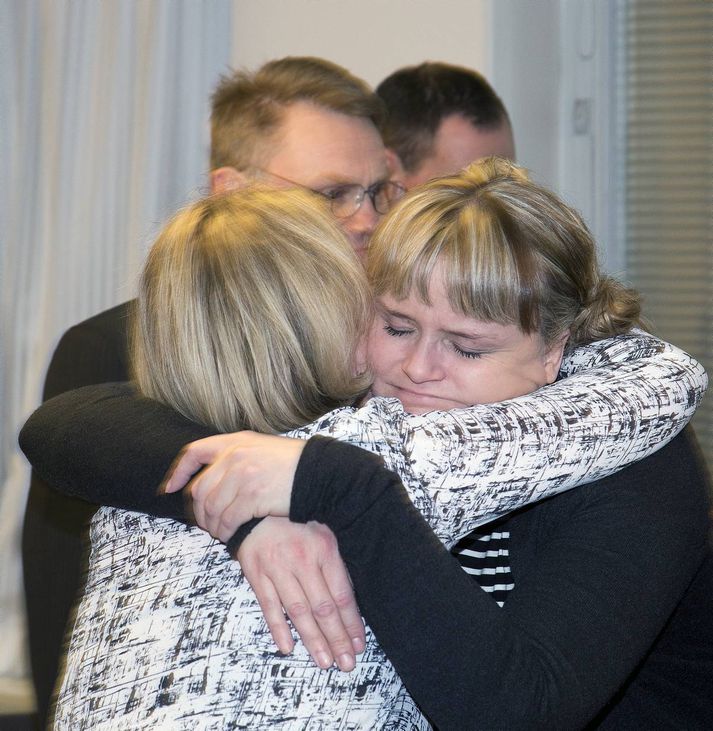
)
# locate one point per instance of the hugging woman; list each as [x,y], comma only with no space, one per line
[483,280]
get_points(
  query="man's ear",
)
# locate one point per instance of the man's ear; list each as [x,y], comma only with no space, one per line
[552,359]
[396,169]
[225,179]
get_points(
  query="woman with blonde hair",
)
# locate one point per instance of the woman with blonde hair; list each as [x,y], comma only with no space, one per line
[169,632]
[230,329]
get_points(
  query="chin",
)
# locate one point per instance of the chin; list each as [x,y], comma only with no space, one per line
[424,406]
[418,410]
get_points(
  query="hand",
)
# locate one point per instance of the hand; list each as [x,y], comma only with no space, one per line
[298,567]
[248,476]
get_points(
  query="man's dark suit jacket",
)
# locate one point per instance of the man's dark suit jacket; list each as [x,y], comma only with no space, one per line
[94,351]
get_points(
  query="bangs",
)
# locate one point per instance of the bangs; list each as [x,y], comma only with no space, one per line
[484,260]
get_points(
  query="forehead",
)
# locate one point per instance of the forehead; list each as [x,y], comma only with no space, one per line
[316,146]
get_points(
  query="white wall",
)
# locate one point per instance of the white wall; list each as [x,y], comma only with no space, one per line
[552,65]
[369,37]
[526,74]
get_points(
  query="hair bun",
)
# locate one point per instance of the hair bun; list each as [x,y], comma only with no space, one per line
[611,310]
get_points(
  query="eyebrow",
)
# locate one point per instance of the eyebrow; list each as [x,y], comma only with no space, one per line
[329,179]
[482,340]
[468,335]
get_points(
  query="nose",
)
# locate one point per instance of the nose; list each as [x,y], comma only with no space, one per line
[420,363]
[360,226]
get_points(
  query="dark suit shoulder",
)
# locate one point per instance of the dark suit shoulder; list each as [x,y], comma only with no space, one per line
[109,323]
[92,351]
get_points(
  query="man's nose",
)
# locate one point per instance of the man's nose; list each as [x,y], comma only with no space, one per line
[362,223]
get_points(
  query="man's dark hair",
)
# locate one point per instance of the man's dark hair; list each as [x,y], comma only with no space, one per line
[418,98]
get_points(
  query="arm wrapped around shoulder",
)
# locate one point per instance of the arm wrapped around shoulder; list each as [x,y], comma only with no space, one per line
[72,445]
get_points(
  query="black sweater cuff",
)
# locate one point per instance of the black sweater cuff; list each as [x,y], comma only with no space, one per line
[335,482]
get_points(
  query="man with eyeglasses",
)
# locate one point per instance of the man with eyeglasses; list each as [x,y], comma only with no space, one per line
[305,122]
[296,121]
[347,199]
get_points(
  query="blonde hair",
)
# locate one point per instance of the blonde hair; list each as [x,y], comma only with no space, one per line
[251,306]
[247,108]
[511,252]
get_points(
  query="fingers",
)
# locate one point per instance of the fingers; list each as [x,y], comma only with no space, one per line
[317,620]
[192,458]
[340,588]
[211,495]
[318,603]
[272,610]
[307,578]
[332,602]
[303,614]
[246,475]
[226,495]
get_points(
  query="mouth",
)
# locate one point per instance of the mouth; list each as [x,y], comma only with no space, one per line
[419,402]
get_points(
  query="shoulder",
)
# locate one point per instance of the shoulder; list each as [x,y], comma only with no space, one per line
[657,507]
[93,351]
[111,323]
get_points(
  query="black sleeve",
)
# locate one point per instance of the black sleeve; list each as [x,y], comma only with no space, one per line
[108,445]
[609,562]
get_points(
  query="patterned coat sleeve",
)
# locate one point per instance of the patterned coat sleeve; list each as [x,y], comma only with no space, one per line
[624,398]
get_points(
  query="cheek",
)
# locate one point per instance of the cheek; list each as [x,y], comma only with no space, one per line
[382,351]
[515,379]
[487,382]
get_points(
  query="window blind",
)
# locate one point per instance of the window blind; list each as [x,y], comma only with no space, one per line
[664,82]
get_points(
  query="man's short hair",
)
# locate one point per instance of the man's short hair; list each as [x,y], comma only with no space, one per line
[247,107]
[418,98]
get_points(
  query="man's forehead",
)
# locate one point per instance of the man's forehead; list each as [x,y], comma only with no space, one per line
[318,146]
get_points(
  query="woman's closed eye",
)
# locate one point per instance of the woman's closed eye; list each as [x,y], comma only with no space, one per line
[467,353]
[397,332]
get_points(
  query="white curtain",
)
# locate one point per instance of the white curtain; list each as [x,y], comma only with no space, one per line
[103,133]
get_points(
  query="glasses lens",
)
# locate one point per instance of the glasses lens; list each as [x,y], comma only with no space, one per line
[345,201]
[386,195]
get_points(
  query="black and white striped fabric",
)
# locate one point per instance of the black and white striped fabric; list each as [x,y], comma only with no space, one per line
[485,556]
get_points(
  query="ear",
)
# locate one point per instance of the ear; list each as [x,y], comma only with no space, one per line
[552,357]
[396,169]
[225,179]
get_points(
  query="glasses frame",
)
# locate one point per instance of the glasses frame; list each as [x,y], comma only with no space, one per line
[359,193]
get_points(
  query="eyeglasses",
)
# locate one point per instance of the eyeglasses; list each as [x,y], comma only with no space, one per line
[346,200]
